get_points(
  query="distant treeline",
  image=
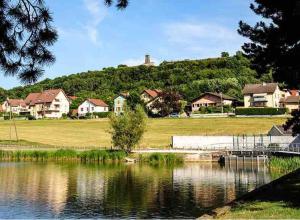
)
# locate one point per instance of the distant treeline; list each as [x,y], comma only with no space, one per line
[190,77]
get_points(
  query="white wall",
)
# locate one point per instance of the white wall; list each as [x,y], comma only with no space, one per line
[88,107]
[211,142]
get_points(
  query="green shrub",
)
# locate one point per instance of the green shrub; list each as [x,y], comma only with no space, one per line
[260,111]
[101,114]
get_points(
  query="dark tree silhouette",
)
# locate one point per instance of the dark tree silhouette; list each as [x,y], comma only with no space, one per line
[275,41]
[25,34]
[121,4]
[275,44]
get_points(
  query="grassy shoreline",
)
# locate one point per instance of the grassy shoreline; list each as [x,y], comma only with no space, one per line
[276,200]
[89,156]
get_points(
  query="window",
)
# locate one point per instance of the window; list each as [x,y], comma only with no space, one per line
[93,108]
[81,109]
[87,109]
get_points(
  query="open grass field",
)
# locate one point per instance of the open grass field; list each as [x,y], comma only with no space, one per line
[92,133]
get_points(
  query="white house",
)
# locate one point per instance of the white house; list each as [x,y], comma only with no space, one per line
[92,106]
[49,104]
[16,106]
[262,95]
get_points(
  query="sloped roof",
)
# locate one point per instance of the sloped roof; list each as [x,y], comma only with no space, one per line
[260,88]
[152,92]
[290,99]
[31,98]
[46,96]
[98,102]
[281,130]
[224,97]
[16,102]
[72,97]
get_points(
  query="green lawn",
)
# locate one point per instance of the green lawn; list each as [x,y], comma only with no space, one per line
[279,201]
[92,133]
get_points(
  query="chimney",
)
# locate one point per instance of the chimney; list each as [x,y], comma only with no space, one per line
[147,59]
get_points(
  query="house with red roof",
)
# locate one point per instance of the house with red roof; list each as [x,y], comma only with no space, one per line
[16,106]
[149,94]
[52,103]
[92,106]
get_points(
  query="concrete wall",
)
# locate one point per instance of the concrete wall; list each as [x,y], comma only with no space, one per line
[221,142]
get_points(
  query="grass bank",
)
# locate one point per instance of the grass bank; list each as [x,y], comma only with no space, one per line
[63,155]
[95,156]
[161,158]
[93,133]
[276,200]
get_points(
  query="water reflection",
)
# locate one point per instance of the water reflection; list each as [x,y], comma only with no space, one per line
[36,190]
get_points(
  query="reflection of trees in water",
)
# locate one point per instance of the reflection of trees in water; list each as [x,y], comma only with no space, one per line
[118,190]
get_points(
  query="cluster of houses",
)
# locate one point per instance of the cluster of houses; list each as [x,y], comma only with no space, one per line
[54,103]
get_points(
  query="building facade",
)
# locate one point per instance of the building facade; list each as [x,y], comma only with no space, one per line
[15,106]
[120,103]
[48,104]
[211,99]
[92,106]
[262,95]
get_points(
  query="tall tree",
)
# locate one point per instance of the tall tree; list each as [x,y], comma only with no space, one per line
[275,41]
[25,34]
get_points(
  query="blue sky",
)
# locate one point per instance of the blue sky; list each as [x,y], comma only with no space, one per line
[92,36]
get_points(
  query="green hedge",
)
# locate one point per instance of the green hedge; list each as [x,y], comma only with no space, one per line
[260,111]
[101,114]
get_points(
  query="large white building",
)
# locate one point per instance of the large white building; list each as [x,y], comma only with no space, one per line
[92,106]
[49,104]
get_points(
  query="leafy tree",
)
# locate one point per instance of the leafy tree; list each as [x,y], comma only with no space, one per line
[293,123]
[127,129]
[25,34]
[75,103]
[133,100]
[168,102]
[275,41]
[224,54]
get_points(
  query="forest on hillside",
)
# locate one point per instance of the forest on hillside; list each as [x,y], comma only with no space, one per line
[189,77]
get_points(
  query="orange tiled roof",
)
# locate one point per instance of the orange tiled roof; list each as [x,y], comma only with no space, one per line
[98,102]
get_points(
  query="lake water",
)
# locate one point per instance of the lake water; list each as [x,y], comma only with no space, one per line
[54,190]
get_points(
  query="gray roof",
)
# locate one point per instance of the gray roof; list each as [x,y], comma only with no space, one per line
[260,88]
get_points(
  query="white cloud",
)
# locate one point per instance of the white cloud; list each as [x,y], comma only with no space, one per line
[206,38]
[97,14]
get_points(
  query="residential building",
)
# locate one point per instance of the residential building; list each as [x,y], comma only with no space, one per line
[278,130]
[262,95]
[290,102]
[92,106]
[119,103]
[149,94]
[16,106]
[49,103]
[211,99]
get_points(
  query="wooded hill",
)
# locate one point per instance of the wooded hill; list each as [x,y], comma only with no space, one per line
[190,77]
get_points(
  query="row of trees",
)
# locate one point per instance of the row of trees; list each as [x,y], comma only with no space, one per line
[189,77]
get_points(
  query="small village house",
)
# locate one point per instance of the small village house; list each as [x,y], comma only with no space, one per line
[291,100]
[149,94]
[211,99]
[262,95]
[16,106]
[49,104]
[119,103]
[92,106]
[278,130]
